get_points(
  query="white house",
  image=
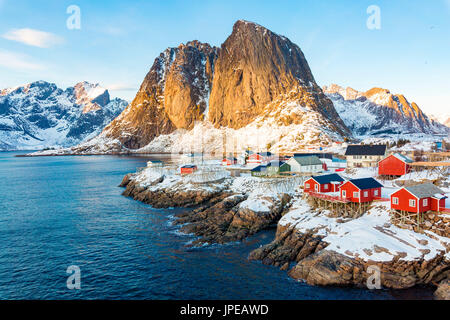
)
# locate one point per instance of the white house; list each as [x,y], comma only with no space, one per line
[306,164]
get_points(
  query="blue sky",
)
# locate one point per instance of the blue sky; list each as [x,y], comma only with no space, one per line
[119,40]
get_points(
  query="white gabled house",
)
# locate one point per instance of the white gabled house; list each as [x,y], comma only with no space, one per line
[307,164]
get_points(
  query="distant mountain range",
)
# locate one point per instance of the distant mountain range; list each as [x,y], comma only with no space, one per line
[378,112]
[41,115]
[256,90]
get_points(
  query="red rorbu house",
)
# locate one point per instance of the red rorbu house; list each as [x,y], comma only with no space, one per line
[419,198]
[187,169]
[261,157]
[394,165]
[323,183]
[361,190]
[229,161]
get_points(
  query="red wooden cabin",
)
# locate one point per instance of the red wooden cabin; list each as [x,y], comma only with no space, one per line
[187,169]
[419,198]
[361,190]
[394,165]
[229,161]
[261,157]
[323,183]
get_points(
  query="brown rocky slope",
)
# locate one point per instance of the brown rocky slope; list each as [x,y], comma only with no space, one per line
[254,72]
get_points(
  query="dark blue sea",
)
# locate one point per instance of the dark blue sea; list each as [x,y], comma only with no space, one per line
[56,212]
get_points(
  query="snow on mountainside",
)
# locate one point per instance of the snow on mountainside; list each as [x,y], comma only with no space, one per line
[41,115]
[378,112]
[443,118]
[257,83]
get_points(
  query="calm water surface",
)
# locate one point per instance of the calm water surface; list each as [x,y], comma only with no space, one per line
[62,211]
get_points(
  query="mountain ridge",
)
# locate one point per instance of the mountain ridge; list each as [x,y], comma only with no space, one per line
[41,115]
[254,73]
[380,112]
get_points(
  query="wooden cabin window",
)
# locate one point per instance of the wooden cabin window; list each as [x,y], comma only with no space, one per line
[394,200]
[355,194]
[326,187]
[307,186]
[412,203]
[344,193]
[425,202]
[366,193]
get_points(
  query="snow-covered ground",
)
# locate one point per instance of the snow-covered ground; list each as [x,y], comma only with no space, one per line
[370,237]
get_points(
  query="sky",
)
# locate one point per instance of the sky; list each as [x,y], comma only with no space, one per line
[117,41]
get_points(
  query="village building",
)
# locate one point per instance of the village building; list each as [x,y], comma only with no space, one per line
[259,171]
[155,163]
[418,199]
[394,165]
[361,190]
[229,161]
[260,158]
[323,183]
[276,167]
[305,164]
[188,169]
[363,156]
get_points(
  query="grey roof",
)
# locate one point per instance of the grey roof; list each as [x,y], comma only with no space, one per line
[402,158]
[424,190]
[275,163]
[307,161]
[260,168]
[366,150]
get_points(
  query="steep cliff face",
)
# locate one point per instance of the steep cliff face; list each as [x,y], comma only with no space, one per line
[380,112]
[256,79]
[173,95]
[255,68]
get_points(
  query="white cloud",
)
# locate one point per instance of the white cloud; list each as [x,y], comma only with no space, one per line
[17,61]
[33,37]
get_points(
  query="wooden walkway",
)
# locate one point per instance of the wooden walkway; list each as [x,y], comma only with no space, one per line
[328,197]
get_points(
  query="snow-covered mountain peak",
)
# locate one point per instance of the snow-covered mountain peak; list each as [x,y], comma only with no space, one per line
[380,112]
[39,114]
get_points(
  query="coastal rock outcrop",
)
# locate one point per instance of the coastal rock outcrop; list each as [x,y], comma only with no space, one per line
[313,249]
[443,290]
[219,214]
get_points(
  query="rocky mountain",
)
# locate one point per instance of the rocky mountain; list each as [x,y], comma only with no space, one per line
[41,115]
[256,85]
[378,112]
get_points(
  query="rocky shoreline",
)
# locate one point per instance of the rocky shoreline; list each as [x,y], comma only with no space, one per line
[318,266]
[219,216]
[216,215]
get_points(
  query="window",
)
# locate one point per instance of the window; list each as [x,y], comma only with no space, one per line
[375,192]
[344,194]
[316,187]
[366,193]
[325,187]
[425,202]
[355,194]
[307,186]
[412,203]
[394,200]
